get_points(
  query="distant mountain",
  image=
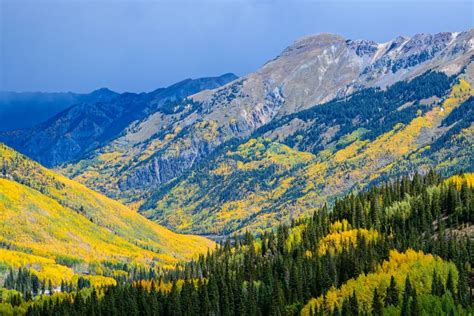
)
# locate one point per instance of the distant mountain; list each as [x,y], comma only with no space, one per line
[98,118]
[319,96]
[19,110]
[60,228]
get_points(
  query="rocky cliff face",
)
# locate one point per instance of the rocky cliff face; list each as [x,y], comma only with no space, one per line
[313,70]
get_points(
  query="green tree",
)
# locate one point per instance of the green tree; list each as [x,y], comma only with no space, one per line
[377,306]
[392,296]
[405,311]
[354,304]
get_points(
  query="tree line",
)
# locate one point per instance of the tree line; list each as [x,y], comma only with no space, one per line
[278,272]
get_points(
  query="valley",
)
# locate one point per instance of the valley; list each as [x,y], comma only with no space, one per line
[336,179]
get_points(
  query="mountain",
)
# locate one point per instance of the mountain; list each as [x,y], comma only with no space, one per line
[62,230]
[312,71]
[295,164]
[21,110]
[98,119]
[342,169]
[326,116]
[310,125]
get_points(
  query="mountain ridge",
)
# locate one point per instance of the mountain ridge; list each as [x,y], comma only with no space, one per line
[23,110]
[277,175]
[84,126]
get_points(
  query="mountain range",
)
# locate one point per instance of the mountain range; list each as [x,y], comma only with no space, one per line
[221,155]
[22,110]
[96,118]
[337,178]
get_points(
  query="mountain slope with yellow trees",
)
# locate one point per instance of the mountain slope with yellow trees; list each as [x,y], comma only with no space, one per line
[416,266]
[401,248]
[295,165]
[60,228]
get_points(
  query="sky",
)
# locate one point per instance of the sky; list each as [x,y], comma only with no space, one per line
[82,45]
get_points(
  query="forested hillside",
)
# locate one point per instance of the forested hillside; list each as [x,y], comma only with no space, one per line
[401,248]
[295,164]
[58,232]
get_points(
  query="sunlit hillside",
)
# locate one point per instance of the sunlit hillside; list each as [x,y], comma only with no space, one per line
[415,266]
[60,228]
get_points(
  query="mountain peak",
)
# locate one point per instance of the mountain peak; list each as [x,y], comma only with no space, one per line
[229,75]
[320,37]
[311,42]
[103,91]
[199,84]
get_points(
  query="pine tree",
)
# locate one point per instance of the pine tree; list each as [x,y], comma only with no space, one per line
[251,299]
[463,289]
[43,287]
[354,304]
[213,292]
[392,293]
[414,306]
[450,284]
[205,304]
[50,287]
[376,304]
[405,311]
[174,301]
[346,307]
[278,300]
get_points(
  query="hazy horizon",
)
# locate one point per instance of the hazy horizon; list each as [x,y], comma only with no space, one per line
[138,46]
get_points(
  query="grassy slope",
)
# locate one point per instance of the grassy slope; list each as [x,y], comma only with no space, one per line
[50,216]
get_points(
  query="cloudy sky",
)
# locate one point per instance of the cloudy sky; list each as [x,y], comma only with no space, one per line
[82,45]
